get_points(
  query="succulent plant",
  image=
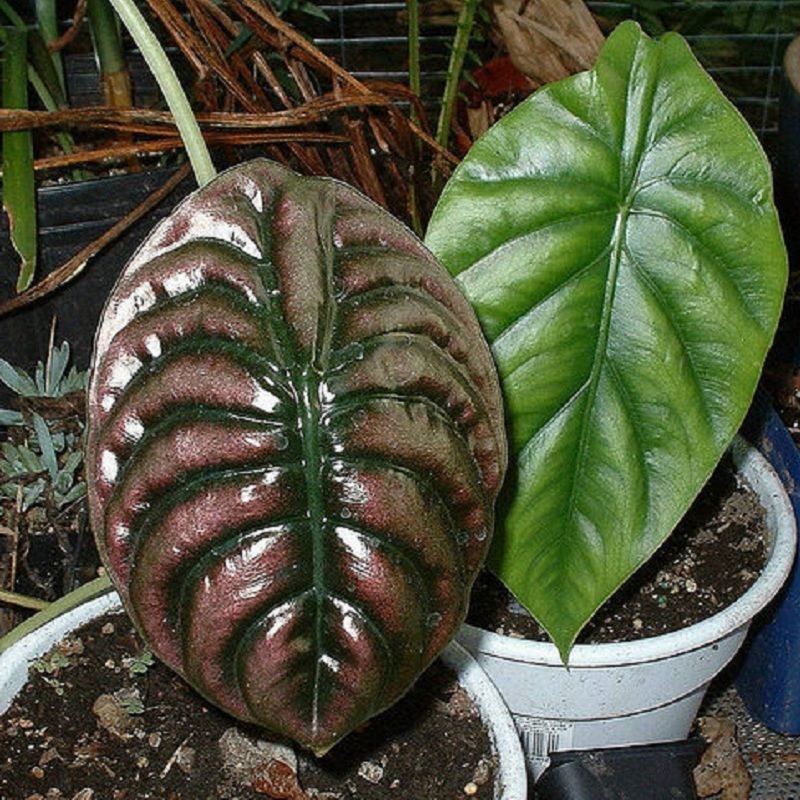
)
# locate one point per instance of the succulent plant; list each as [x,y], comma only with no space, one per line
[295,444]
[43,461]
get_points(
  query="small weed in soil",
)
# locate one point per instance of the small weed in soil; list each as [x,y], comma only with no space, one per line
[100,719]
[711,559]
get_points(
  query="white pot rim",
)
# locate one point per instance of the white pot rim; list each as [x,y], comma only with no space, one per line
[510,778]
[776,570]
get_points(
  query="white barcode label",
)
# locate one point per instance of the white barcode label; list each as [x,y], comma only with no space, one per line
[540,737]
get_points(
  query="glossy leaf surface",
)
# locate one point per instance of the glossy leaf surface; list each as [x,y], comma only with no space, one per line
[295,445]
[616,235]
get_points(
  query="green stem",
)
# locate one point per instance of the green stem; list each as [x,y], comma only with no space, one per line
[171,88]
[22,600]
[48,90]
[414,80]
[466,18]
[19,189]
[42,64]
[12,16]
[47,18]
[45,70]
[114,74]
[415,84]
[66,603]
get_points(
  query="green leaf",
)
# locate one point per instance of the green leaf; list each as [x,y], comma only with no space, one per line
[74,382]
[313,10]
[46,446]
[11,15]
[17,380]
[73,461]
[47,22]
[11,454]
[11,470]
[241,39]
[30,460]
[617,237]
[46,65]
[31,493]
[66,474]
[9,417]
[75,493]
[59,358]
[19,189]
[41,389]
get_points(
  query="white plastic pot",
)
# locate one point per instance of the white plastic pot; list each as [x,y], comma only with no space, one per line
[635,692]
[510,779]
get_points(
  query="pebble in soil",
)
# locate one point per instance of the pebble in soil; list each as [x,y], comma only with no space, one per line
[100,719]
[710,560]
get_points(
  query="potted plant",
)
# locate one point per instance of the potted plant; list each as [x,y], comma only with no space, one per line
[249,347]
[346,562]
[616,236]
[330,563]
[33,646]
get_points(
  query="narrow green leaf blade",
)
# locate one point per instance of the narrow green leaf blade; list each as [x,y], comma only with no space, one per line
[617,237]
[19,190]
[38,377]
[30,460]
[11,455]
[31,493]
[75,493]
[9,417]
[47,68]
[16,379]
[46,446]
[47,20]
[59,358]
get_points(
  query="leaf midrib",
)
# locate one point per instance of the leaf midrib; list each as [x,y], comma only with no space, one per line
[627,193]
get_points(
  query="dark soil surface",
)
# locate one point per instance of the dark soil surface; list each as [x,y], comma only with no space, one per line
[98,720]
[710,560]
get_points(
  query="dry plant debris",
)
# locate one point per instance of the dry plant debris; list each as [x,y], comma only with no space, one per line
[721,768]
[548,39]
[274,93]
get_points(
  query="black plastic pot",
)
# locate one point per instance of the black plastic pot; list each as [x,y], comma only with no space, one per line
[83,80]
[70,217]
[643,772]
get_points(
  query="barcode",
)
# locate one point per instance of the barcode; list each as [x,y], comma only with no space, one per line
[540,743]
[540,737]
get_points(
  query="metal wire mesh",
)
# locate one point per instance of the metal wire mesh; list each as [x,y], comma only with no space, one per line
[369,38]
[772,759]
[741,43]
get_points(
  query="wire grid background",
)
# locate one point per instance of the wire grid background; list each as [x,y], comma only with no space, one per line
[772,759]
[741,43]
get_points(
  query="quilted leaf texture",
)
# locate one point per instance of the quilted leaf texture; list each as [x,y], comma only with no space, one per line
[295,444]
[617,238]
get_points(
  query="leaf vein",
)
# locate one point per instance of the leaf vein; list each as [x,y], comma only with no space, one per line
[646,280]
